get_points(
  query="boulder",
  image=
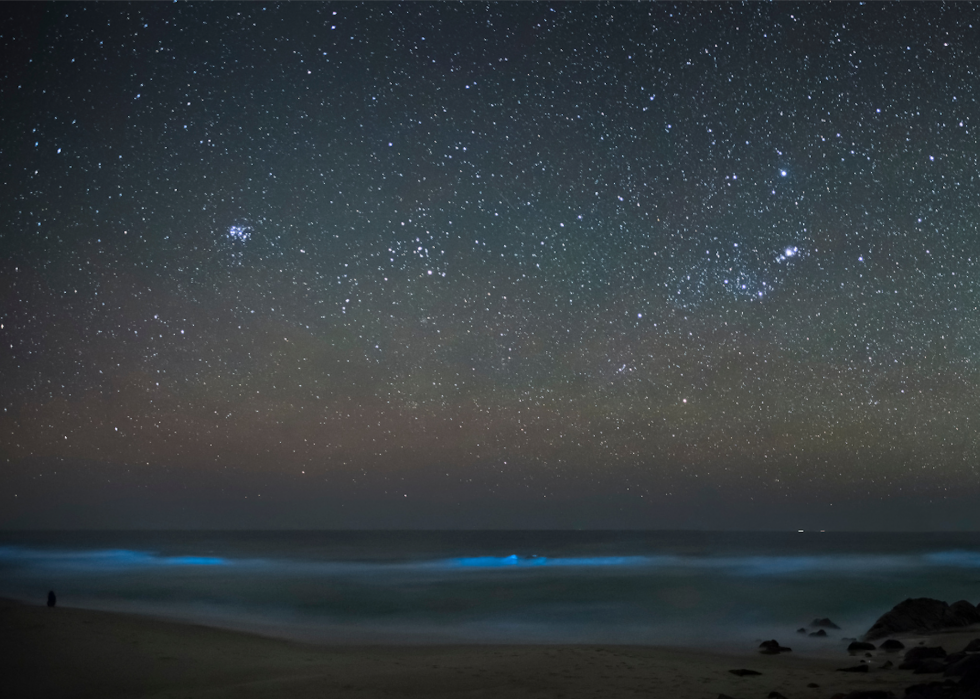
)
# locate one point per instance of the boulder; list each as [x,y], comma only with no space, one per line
[932,690]
[859,646]
[773,648]
[973,646]
[930,666]
[968,686]
[923,615]
[955,657]
[819,634]
[965,613]
[823,624]
[922,652]
[892,645]
[801,631]
[916,656]
[869,694]
[775,695]
[855,668]
[968,665]
[742,672]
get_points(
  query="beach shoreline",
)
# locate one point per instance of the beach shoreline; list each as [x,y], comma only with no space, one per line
[67,652]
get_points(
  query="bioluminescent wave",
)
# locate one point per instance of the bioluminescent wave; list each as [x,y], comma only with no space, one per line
[672,588]
[515,561]
[786,565]
[105,558]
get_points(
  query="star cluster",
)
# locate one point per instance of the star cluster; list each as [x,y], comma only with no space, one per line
[489,254]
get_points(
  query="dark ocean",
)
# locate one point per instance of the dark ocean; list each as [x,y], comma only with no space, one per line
[672,588]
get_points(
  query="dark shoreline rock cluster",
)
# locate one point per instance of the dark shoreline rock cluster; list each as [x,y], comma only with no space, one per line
[923,615]
[960,674]
[960,671]
[821,626]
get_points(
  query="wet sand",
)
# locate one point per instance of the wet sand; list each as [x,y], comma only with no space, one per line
[64,652]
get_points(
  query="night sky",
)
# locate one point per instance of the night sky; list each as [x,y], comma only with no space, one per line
[506,265]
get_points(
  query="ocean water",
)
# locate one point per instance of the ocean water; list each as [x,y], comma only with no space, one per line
[665,588]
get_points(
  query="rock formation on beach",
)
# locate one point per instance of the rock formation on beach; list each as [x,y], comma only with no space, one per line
[773,648]
[744,672]
[823,624]
[923,615]
[918,655]
[958,673]
[855,668]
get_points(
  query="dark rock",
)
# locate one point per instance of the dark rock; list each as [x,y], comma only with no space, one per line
[819,634]
[801,631]
[856,668]
[776,695]
[813,685]
[892,645]
[857,646]
[965,612]
[772,647]
[725,696]
[968,688]
[954,657]
[916,655]
[52,600]
[869,694]
[967,665]
[973,646]
[923,652]
[888,665]
[742,672]
[929,666]
[932,690]
[923,615]
[823,624]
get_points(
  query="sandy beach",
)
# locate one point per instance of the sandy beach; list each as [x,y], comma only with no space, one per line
[65,652]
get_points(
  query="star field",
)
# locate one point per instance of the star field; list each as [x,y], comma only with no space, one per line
[701,259]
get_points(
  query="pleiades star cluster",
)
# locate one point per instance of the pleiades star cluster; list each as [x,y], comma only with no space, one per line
[473,258]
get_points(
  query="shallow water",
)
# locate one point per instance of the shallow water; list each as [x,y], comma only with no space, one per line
[677,588]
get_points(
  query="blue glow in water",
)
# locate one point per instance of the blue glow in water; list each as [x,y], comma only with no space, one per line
[106,558]
[515,561]
[623,588]
[194,561]
[956,559]
[741,566]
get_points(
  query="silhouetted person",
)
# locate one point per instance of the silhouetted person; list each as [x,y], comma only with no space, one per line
[52,600]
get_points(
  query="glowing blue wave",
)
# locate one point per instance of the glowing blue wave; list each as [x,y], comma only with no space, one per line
[748,566]
[104,558]
[955,559]
[515,561]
